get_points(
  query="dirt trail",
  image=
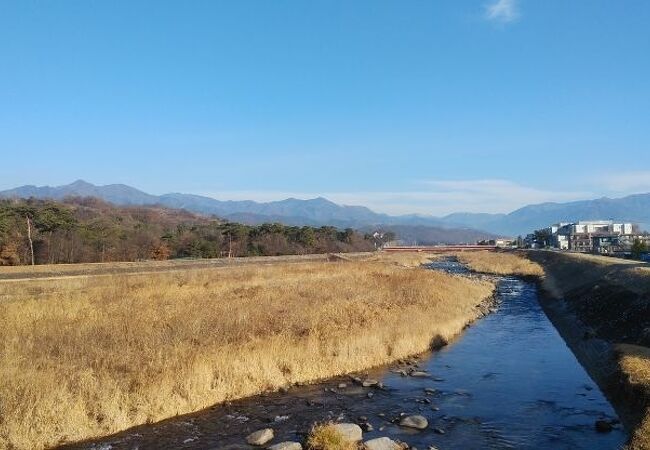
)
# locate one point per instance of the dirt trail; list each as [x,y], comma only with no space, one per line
[64,271]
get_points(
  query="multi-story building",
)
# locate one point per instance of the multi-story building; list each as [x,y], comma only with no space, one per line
[601,226]
[592,236]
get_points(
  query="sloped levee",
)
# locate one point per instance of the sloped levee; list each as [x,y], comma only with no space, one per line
[601,306]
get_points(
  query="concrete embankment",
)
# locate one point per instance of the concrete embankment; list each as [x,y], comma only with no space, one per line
[597,303]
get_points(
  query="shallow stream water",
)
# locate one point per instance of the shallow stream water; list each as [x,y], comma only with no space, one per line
[509,382]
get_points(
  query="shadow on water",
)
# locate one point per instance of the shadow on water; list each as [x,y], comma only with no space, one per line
[508,382]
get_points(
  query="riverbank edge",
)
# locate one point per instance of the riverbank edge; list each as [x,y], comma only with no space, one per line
[597,354]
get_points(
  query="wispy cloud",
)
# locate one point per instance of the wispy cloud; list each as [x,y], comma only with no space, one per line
[433,197]
[502,11]
[625,182]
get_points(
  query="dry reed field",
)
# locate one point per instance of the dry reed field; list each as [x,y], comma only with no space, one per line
[634,362]
[500,263]
[90,356]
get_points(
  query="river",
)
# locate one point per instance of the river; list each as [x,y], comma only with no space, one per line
[508,382]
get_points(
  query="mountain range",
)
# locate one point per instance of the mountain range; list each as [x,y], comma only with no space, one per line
[320,211]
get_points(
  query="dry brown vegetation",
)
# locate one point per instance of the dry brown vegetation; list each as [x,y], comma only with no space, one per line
[89,356]
[325,437]
[634,362]
[500,263]
[567,272]
[86,230]
[599,259]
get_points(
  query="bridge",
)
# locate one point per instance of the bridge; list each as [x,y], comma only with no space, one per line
[438,248]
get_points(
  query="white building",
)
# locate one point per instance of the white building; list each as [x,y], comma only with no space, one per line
[589,235]
[601,226]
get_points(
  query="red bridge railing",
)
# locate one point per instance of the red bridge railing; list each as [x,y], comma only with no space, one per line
[438,248]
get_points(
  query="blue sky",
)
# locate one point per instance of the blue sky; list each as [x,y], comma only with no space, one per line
[404,106]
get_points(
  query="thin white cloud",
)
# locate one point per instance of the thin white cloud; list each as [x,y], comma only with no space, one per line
[435,197]
[625,182]
[502,11]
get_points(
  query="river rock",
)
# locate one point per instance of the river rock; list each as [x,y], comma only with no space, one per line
[417,422]
[286,445]
[420,374]
[260,437]
[342,385]
[232,447]
[350,431]
[603,426]
[382,443]
[366,426]
[369,383]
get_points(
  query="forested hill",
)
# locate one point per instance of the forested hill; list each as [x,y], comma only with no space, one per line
[90,230]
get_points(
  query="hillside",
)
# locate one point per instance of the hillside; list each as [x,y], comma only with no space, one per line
[430,235]
[90,230]
[313,212]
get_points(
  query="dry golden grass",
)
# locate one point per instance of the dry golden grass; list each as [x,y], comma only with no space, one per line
[500,263]
[566,272]
[634,362]
[89,356]
[599,259]
[325,437]
[63,270]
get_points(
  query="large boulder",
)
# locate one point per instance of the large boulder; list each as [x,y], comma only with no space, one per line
[260,437]
[350,431]
[417,422]
[382,443]
[286,445]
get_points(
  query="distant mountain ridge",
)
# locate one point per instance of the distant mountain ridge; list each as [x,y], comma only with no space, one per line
[320,211]
[316,211]
[120,194]
[632,208]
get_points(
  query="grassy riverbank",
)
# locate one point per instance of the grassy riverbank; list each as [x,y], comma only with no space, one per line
[89,356]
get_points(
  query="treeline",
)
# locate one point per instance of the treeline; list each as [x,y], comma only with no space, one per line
[80,230]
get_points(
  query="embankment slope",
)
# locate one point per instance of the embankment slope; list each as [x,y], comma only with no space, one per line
[601,306]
